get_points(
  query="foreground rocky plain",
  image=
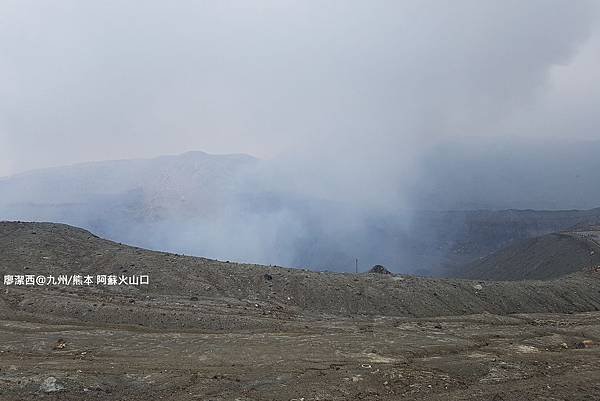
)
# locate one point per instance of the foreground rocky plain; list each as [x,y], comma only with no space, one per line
[209,330]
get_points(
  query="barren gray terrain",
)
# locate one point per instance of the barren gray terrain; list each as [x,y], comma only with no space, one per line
[212,330]
[544,257]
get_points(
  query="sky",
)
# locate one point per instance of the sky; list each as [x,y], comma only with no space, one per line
[357,85]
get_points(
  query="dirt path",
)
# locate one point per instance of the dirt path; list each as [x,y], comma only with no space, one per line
[462,358]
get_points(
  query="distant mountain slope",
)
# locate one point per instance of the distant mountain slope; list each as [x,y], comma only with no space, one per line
[252,291]
[546,257]
[188,183]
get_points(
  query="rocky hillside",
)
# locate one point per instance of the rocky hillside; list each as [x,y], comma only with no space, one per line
[196,292]
[545,257]
[442,241]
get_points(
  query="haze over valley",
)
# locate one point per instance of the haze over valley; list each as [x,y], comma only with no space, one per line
[237,207]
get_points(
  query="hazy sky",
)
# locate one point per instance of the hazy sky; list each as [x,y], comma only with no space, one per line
[313,79]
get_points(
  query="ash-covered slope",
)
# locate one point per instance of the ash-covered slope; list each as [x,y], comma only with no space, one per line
[197,292]
[541,258]
[459,238]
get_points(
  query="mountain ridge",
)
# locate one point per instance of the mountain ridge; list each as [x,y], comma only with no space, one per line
[48,248]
